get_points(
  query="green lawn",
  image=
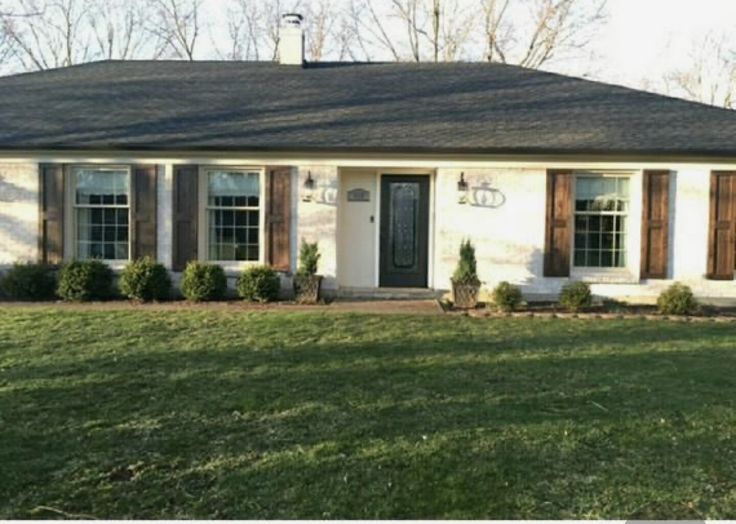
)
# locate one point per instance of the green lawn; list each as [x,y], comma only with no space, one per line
[193,413]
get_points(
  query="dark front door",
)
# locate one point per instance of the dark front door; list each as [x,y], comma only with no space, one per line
[404,230]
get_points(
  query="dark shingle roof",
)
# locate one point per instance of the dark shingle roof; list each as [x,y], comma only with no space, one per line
[460,107]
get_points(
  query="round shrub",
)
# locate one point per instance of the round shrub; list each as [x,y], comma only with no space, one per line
[145,280]
[29,282]
[259,283]
[203,282]
[507,296]
[678,299]
[576,296]
[86,280]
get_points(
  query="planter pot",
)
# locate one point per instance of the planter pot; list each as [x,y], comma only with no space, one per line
[306,288]
[465,296]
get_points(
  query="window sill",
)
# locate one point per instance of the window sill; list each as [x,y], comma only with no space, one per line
[115,265]
[604,276]
[232,268]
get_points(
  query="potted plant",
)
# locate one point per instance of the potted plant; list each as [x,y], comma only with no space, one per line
[465,282]
[306,281]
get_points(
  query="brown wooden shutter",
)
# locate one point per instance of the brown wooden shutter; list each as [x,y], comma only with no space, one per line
[559,224]
[186,212]
[278,218]
[51,220]
[655,224]
[722,234]
[144,212]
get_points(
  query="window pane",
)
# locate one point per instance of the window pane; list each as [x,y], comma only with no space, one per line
[101,186]
[601,204]
[232,242]
[233,233]
[102,224]
[233,188]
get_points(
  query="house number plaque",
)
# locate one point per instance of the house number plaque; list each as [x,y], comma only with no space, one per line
[359,195]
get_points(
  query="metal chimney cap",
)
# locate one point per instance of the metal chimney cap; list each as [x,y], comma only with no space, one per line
[292,19]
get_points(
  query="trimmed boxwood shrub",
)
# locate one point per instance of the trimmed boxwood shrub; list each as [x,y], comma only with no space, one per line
[81,281]
[29,281]
[259,283]
[507,297]
[576,296]
[145,280]
[203,282]
[678,299]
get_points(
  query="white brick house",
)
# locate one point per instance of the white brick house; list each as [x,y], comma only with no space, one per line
[235,163]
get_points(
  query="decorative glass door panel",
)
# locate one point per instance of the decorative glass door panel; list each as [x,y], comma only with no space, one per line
[404,230]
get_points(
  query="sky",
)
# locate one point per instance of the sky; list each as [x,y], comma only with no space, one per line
[645,38]
[641,41]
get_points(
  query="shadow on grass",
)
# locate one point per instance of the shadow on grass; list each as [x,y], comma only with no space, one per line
[346,416]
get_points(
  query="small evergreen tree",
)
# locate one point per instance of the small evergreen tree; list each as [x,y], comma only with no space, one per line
[309,256]
[466,271]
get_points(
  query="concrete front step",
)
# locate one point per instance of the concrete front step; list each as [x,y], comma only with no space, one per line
[388,293]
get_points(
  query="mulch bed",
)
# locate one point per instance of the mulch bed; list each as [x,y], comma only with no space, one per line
[612,311]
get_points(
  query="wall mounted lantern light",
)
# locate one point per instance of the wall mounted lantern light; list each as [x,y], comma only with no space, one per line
[462,189]
[308,188]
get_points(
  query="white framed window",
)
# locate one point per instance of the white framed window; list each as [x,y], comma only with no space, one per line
[233,214]
[602,209]
[101,212]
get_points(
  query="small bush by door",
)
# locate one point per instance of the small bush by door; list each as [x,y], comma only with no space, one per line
[259,284]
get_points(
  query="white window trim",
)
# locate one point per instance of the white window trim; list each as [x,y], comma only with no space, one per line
[629,274]
[70,214]
[230,266]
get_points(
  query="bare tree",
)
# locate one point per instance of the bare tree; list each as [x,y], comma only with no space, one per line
[496,29]
[245,30]
[550,29]
[452,29]
[117,27]
[254,27]
[47,34]
[368,28]
[322,24]
[710,77]
[176,26]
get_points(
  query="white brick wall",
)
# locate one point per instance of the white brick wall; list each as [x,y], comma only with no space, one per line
[505,217]
[18,213]
[317,220]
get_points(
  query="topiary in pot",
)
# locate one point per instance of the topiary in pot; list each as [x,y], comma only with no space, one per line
[85,280]
[203,282]
[307,282]
[678,299]
[145,280]
[507,297]
[259,284]
[576,296]
[29,282]
[465,282]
